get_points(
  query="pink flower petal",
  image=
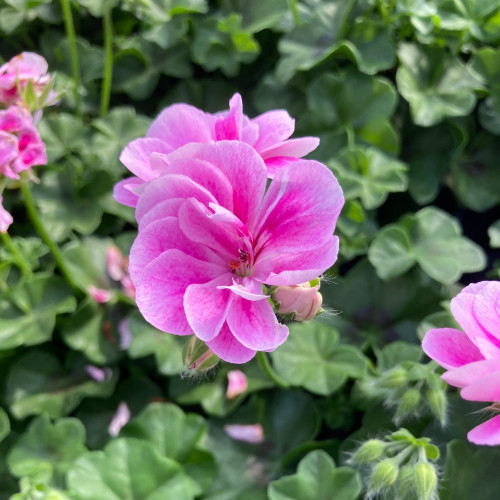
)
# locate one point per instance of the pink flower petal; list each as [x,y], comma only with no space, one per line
[248,433]
[136,156]
[486,309]
[228,348]
[296,148]
[181,124]
[164,209]
[450,348]
[255,325]
[274,127]
[120,419]
[484,389]
[487,433]
[100,295]
[123,193]
[206,307]
[248,289]
[5,218]
[229,127]
[470,372]
[237,383]
[160,292]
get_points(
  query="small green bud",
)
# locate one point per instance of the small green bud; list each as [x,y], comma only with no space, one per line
[425,480]
[198,357]
[405,484]
[369,452]
[394,378]
[408,403]
[437,403]
[383,476]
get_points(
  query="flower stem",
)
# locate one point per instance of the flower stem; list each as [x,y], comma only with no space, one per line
[20,261]
[108,68]
[263,361]
[295,12]
[54,249]
[75,64]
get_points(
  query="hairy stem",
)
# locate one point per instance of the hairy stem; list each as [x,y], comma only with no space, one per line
[20,261]
[108,67]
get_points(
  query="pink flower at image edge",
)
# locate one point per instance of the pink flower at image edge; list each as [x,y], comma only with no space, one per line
[182,124]
[5,218]
[472,357]
[210,235]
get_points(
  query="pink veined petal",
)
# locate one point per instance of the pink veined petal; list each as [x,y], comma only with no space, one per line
[299,267]
[181,124]
[255,325]
[170,186]
[274,127]
[206,307]
[488,349]
[220,236]
[486,310]
[241,164]
[293,147]
[466,374]
[229,127]
[484,389]
[26,65]
[250,132]
[249,289]
[229,349]
[122,192]
[462,308]
[299,210]
[160,293]
[206,175]
[487,433]
[156,238]
[450,348]
[167,208]
[276,163]
[136,156]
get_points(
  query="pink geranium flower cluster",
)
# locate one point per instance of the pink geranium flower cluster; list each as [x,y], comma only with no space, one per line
[472,357]
[213,230]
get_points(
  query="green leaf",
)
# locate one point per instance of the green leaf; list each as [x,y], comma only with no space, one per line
[318,478]
[147,340]
[494,234]
[351,101]
[175,435]
[256,16]
[46,451]
[31,490]
[436,84]
[4,424]
[161,11]
[129,469]
[433,239]
[31,248]
[369,175]
[37,383]
[397,352]
[312,359]
[28,311]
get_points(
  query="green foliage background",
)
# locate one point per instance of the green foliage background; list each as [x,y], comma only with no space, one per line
[405,96]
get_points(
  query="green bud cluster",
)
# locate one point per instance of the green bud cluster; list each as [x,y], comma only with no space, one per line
[411,388]
[399,466]
[198,358]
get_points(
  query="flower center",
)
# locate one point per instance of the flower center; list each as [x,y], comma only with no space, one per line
[243,265]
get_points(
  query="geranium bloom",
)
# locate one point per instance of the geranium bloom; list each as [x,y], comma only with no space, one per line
[5,218]
[22,68]
[181,124]
[473,358]
[210,235]
[20,144]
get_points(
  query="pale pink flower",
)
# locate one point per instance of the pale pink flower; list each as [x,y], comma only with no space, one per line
[100,295]
[20,144]
[304,300]
[5,218]
[253,433]
[210,235]
[181,124]
[98,374]
[472,357]
[22,68]
[117,267]
[120,419]
[237,383]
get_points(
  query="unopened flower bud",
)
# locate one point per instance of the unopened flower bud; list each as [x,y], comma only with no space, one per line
[236,383]
[302,301]
[405,486]
[408,403]
[394,378]
[100,295]
[369,452]
[198,357]
[114,263]
[384,475]
[425,480]
[437,403]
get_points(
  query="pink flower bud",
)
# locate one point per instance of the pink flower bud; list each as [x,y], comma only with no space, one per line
[114,263]
[5,218]
[120,419]
[248,433]
[237,383]
[128,286]
[303,301]
[100,295]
